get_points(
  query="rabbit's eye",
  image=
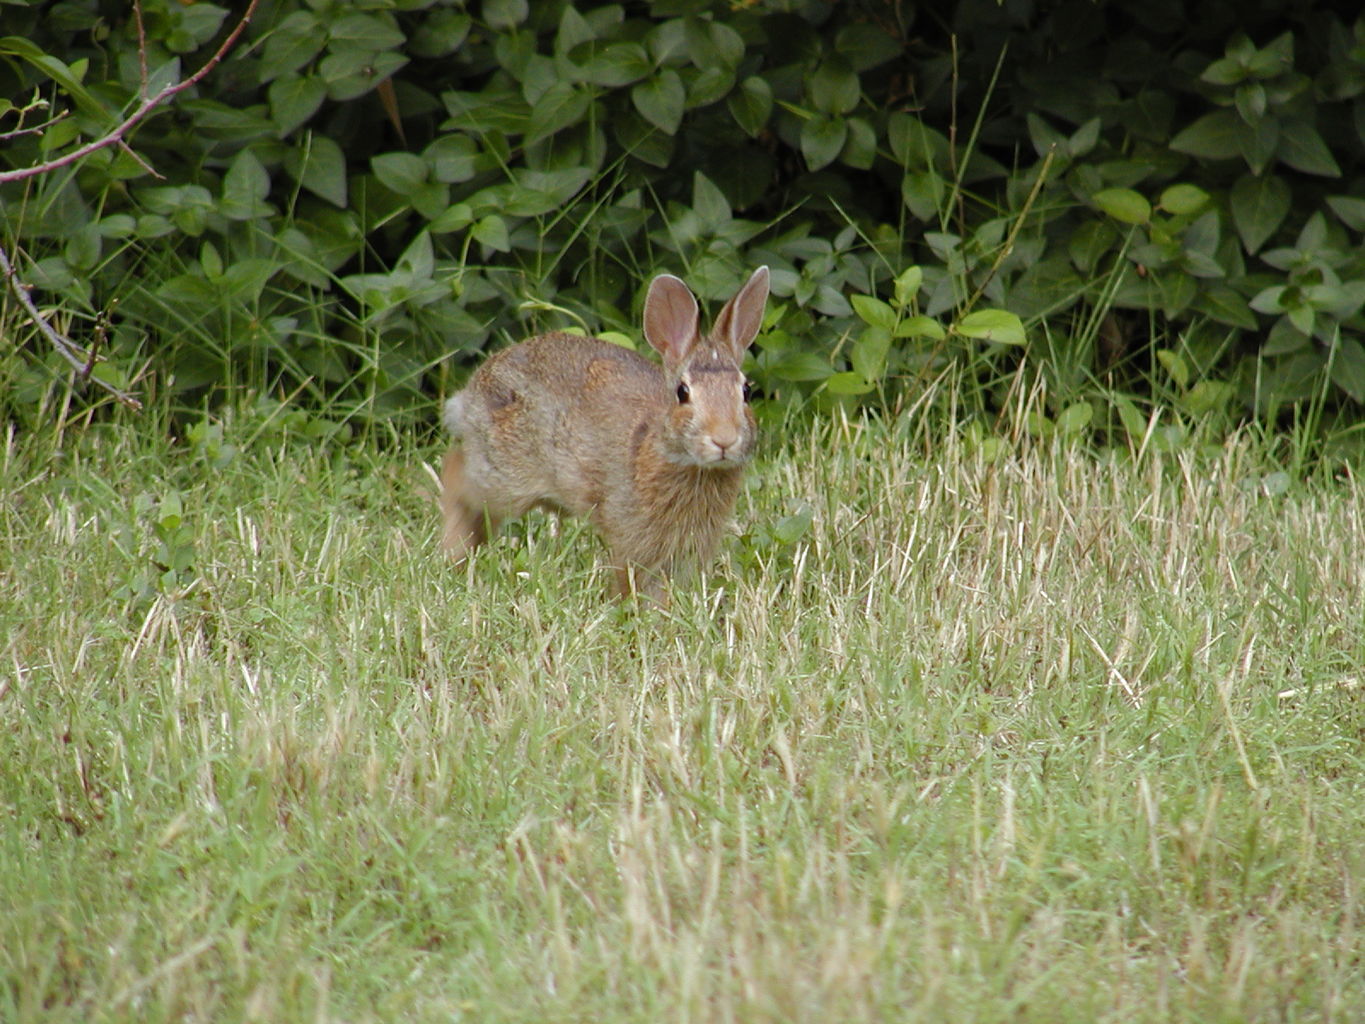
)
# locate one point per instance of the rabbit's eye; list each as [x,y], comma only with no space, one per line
[684,393]
[748,390]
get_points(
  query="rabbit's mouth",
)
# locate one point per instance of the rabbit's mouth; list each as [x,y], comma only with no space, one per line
[713,453]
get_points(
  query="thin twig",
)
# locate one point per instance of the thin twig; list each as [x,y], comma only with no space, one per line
[141,49]
[132,154]
[37,129]
[143,109]
[80,359]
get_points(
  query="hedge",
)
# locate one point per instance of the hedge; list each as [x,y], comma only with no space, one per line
[1107,200]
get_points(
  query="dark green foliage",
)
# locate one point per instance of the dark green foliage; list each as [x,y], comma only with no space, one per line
[363,196]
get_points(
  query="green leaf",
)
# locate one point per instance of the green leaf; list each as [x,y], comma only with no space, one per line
[800,365]
[401,173]
[1273,59]
[171,513]
[1206,396]
[923,192]
[920,327]
[1202,265]
[1043,136]
[834,88]
[83,247]
[1271,300]
[751,104]
[244,280]
[869,353]
[996,325]
[505,14]
[453,218]
[708,85]
[117,225]
[617,64]
[667,41]
[245,188]
[1349,210]
[1259,142]
[866,45]
[291,44]
[860,150]
[709,203]
[1134,422]
[293,100]
[1175,365]
[1348,367]
[356,71]
[1259,206]
[873,311]
[196,25]
[1225,305]
[574,30]
[320,167]
[1224,71]
[1089,242]
[1085,138]
[212,261]
[418,259]
[1313,234]
[1251,102]
[562,106]
[1303,317]
[453,158]
[914,143]
[375,32]
[908,283]
[660,100]
[792,528]
[1075,418]
[848,383]
[1183,200]
[821,140]
[1215,136]
[441,34]
[1124,205]
[492,232]
[1302,148]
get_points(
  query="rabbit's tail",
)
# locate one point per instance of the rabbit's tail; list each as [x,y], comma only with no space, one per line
[454,415]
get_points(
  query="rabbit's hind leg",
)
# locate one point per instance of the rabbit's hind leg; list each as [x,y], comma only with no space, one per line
[467,522]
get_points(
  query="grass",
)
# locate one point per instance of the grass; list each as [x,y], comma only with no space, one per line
[1053,736]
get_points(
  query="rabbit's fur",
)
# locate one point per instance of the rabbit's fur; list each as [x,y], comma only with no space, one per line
[652,456]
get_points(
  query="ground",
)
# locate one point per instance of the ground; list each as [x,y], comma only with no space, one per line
[1024,732]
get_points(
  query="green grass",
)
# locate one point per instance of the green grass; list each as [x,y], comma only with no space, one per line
[1052,737]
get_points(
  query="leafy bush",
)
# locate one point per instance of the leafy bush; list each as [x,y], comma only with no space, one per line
[1168,198]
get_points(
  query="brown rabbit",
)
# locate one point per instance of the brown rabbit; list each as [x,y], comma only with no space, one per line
[652,456]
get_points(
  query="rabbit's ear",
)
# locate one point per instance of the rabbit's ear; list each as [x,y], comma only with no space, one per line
[670,317]
[742,316]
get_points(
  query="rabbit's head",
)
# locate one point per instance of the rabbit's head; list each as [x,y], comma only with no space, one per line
[709,422]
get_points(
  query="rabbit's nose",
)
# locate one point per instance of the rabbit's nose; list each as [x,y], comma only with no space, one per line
[725,441]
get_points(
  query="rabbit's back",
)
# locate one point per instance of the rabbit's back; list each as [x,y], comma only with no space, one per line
[546,420]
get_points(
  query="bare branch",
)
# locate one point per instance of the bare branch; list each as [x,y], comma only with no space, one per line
[83,361]
[144,108]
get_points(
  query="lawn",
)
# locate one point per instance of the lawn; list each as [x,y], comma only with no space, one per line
[1028,734]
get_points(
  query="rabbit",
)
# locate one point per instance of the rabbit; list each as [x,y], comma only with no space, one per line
[652,456]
